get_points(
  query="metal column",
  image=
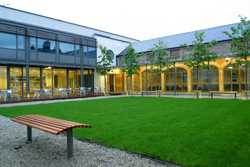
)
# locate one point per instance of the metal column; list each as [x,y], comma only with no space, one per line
[29,133]
[70,142]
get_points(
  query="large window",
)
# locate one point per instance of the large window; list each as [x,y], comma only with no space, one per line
[85,51]
[20,42]
[181,80]
[47,46]
[7,41]
[150,81]
[33,43]
[92,52]
[204,77]
[66,48]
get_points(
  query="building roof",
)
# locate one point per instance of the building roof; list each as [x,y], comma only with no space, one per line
[174,41]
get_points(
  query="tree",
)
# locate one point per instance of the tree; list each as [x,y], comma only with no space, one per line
[240,36]
[103,66]
[132,65]
[161,59]
[200,53]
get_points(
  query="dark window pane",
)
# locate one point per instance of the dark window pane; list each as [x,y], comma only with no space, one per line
[66,48]
[7,41]
[47,46]
[77,49]
[85,51]
[20,42]
[33,43]
[92,52]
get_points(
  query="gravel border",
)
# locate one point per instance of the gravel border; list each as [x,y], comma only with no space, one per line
[51,150]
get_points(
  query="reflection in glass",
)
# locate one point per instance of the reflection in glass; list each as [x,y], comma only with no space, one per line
[85,51]
[7,41]
[66,48]
[92,52]
[20,42]
[77,49]
[47,46]
[33,43]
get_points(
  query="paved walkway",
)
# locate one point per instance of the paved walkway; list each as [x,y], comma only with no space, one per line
[55,101]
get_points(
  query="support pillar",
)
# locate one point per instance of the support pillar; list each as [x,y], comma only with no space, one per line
[221,79]
[29,133]
[70,142]
[189,80]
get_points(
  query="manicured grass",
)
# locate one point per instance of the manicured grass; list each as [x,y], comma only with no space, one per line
[190,132]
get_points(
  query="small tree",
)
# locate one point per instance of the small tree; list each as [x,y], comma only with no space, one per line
[161,59]
[103,66]
[200,53]
[132,65]
[240,41]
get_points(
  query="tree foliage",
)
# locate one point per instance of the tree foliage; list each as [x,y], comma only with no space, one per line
[132,65]
[103,66]
[161,58]
[240,36]
[200,52]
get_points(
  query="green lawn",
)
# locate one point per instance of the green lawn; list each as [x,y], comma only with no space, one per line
[190,132]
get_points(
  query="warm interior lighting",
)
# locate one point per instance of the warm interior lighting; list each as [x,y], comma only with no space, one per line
[228,58]
[49,67]
[230,67]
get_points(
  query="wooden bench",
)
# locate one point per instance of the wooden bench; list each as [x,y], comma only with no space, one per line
[223,92]
[51,125]
[197,92]
[244,93]
[156,92]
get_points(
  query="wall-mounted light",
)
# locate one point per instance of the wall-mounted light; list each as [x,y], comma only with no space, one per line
[230,67]
[228,58]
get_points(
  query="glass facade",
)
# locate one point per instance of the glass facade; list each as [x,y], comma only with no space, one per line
[59,78]
[33,45]
[45,45]
[181,80]
[66,48]
[203,79]
[150,81]
[7,41]
[47,78]
[34,79]
[235,78]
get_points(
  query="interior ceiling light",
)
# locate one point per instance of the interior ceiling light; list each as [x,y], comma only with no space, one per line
[230,67]
[228,58]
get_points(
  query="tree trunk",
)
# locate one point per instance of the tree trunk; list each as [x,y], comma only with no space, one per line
[131,84]
[174,80]
[105,89]
[246,87]
[209,79]
[197,81]
[160,86]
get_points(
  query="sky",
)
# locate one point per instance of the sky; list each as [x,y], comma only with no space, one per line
[139,19]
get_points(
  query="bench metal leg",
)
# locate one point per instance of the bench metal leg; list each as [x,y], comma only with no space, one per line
[70,142]
[29,133]
[211,95]
[235,96]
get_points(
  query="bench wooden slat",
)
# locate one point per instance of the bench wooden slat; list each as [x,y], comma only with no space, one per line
[72,124]
[55,124]
[224,92]
[40,125]
[43,123]
[36,126]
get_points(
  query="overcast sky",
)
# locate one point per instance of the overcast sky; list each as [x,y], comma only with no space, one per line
[139,19]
